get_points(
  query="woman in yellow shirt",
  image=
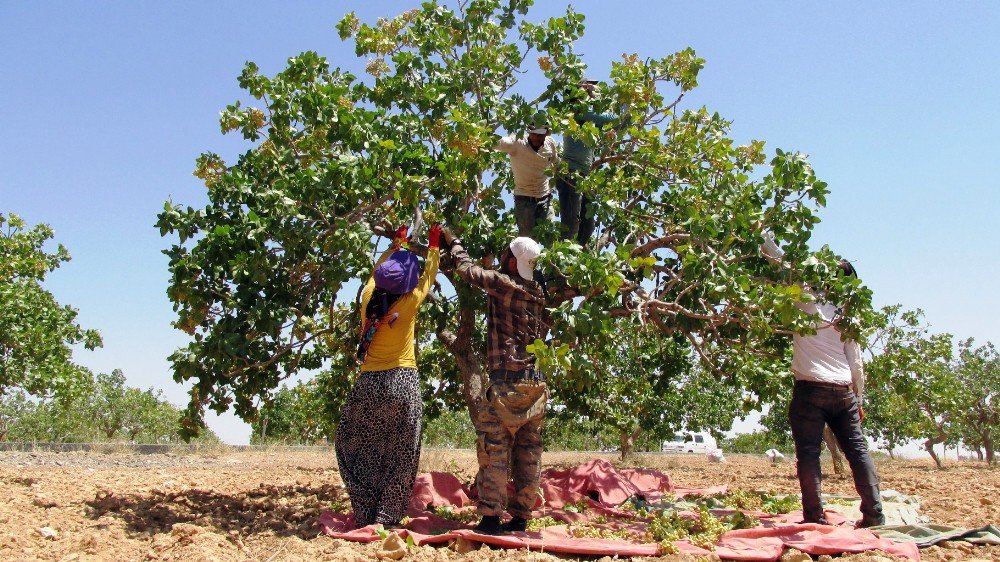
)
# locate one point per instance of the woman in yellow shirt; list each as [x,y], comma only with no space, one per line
[378,437]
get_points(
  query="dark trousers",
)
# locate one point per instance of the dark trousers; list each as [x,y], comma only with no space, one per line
[528,211]
[812,408]
[575,211]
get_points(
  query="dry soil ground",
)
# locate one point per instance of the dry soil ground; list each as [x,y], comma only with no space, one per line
[264,505]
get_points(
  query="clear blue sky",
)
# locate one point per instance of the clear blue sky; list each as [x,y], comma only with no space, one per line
[104,107]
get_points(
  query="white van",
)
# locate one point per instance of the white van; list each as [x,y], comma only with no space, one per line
[691,442]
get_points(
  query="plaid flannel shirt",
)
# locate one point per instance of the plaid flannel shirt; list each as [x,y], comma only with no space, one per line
[515,311]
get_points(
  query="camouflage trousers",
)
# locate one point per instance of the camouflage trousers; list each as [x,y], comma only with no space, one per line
[509,445]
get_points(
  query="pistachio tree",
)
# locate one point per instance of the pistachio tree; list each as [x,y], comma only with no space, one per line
[913,388]
[978,417]
[37,333]
[121,412]
[889,416]
[304,413]
[334,161]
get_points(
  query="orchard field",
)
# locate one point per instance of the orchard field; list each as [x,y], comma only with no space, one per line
[264,505]
[671,317]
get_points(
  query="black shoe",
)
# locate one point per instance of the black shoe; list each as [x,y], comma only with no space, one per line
[516,525]
[865,523]
[489,525]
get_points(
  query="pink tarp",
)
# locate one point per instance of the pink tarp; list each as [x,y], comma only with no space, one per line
[438,488]
[600,479]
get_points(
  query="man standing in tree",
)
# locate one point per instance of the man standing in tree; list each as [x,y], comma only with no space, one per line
[575,209]
[513,408]
[530,158]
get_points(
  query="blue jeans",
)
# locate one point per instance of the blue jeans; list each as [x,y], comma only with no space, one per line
[528,211]
[577,219]
[814,406]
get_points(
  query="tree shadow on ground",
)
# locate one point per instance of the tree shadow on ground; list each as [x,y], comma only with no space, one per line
[283,511]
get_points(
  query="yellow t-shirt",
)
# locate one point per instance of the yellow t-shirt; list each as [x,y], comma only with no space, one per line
[392,345]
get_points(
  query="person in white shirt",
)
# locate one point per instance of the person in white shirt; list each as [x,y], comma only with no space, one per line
[530,158]
[829,386]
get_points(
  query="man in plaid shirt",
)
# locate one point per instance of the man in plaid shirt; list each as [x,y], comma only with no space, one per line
[513,409]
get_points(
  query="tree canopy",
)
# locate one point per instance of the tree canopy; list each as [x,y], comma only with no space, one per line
[924,387]
[37,334]
[336,160]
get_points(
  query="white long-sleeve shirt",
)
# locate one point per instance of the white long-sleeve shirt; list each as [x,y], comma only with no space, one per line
[529,166]
[824,356]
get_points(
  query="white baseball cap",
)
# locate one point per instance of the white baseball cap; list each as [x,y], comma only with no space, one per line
[526,251]
[539,124]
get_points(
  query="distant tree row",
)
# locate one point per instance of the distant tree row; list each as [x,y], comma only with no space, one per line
[303,414]
[306,414]
[104,409]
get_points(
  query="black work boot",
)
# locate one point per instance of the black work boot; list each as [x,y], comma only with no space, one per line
[489,525]
[866,522]
[516,525]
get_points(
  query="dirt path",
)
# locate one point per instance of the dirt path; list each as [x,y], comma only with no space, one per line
[264,505]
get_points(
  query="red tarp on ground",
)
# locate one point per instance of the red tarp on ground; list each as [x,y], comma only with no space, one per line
[599,478]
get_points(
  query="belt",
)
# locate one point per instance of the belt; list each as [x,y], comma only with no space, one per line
[799,382]
[535,199]
[503,375]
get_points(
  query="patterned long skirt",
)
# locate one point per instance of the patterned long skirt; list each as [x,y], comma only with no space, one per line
[378,444]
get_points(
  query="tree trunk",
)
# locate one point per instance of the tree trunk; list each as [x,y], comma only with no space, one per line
[929,447]
[988,445]
[627,440]
[470,364]
[4,420]
[835,453]
[941,436]
[891,447]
